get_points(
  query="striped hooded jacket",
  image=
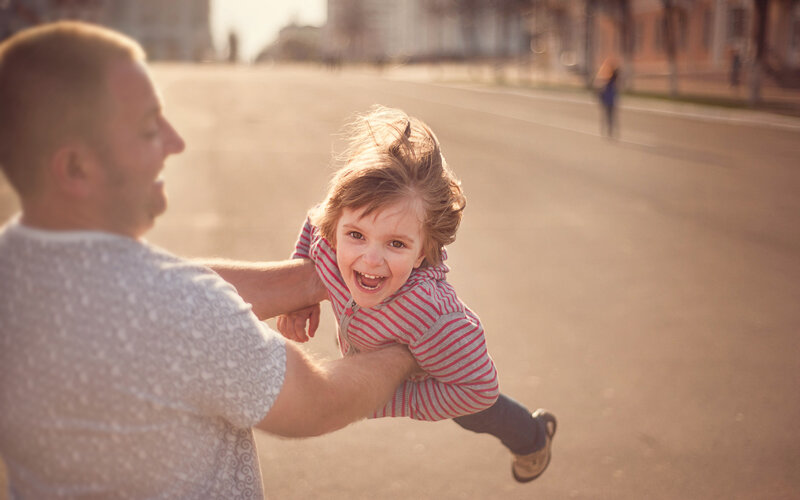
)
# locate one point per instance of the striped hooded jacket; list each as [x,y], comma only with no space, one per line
[442,333]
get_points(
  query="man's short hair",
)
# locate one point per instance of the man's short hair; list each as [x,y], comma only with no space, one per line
[52,89]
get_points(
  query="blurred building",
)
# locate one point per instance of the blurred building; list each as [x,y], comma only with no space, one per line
[16,15]
[708,35]
[420,30]
[168,30]
[567,35]
[177,30]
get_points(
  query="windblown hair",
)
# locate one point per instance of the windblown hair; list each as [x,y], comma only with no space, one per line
[53,88]
[391,158]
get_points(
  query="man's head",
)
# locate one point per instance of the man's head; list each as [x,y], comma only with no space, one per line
[82,125]
[52,83]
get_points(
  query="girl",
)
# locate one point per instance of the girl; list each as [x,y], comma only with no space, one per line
[378,243]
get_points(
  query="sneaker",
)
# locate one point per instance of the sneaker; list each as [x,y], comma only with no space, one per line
[530,466]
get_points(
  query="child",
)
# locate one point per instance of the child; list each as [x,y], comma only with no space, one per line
[378,243]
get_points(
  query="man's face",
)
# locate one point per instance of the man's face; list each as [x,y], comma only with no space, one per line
[137,139]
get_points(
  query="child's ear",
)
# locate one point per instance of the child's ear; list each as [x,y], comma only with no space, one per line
[419,261]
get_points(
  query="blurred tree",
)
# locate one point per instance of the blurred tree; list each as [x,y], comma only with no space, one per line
[669,45]
[468,11]
[626,41]
[621,14]
[590,7]
[439,10]
[294,43]
[233,47]
[506,11]
[760,27]
[22,13]
[354,27]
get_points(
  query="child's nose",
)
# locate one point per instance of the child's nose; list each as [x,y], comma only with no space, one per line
[373,256]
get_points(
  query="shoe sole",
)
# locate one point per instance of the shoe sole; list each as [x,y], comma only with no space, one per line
[548,418]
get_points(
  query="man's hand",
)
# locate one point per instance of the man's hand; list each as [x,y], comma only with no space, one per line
[293,325]
[272,288]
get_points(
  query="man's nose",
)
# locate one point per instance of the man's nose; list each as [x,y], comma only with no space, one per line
[173,142]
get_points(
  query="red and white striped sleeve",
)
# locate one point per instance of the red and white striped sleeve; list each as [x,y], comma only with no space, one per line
[462,376]
[302,248]
[310,245]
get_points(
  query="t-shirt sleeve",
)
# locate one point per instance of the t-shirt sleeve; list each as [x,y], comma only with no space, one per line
[240,361]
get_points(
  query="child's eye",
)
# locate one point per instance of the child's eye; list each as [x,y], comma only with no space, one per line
[355,235]
[397,244]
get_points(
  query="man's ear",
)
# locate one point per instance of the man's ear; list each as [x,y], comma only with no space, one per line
[71,167]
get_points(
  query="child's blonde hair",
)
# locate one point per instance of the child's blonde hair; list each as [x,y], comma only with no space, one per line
[392,157]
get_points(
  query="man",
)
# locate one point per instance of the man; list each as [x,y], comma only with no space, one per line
[124,370]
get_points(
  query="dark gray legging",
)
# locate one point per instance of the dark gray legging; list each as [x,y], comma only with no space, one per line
[508,421]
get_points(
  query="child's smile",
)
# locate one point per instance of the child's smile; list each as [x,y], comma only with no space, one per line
[369,281]
[377,252]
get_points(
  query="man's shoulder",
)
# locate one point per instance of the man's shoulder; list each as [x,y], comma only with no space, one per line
[191,285]
[151,266]
[161,280]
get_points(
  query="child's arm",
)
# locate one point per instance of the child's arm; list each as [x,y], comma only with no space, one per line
[463,378]
[300,325]
[302,247]
[293,325]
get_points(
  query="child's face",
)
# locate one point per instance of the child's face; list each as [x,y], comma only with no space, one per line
[376,253]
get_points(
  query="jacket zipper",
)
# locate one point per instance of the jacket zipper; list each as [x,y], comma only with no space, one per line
[344,324]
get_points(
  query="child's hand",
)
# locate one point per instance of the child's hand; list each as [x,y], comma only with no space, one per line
[293,325]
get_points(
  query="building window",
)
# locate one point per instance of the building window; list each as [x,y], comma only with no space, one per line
[736,23]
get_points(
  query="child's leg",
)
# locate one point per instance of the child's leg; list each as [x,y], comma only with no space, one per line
[508,421]
[529,437]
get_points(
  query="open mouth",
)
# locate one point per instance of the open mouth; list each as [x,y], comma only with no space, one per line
[369,281]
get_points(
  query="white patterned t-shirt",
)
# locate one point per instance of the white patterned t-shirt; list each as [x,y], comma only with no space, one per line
[127,372]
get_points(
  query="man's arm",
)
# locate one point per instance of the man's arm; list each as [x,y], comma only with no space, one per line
[272,288]
[317,399]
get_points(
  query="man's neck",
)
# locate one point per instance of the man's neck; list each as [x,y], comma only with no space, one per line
[63,217]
